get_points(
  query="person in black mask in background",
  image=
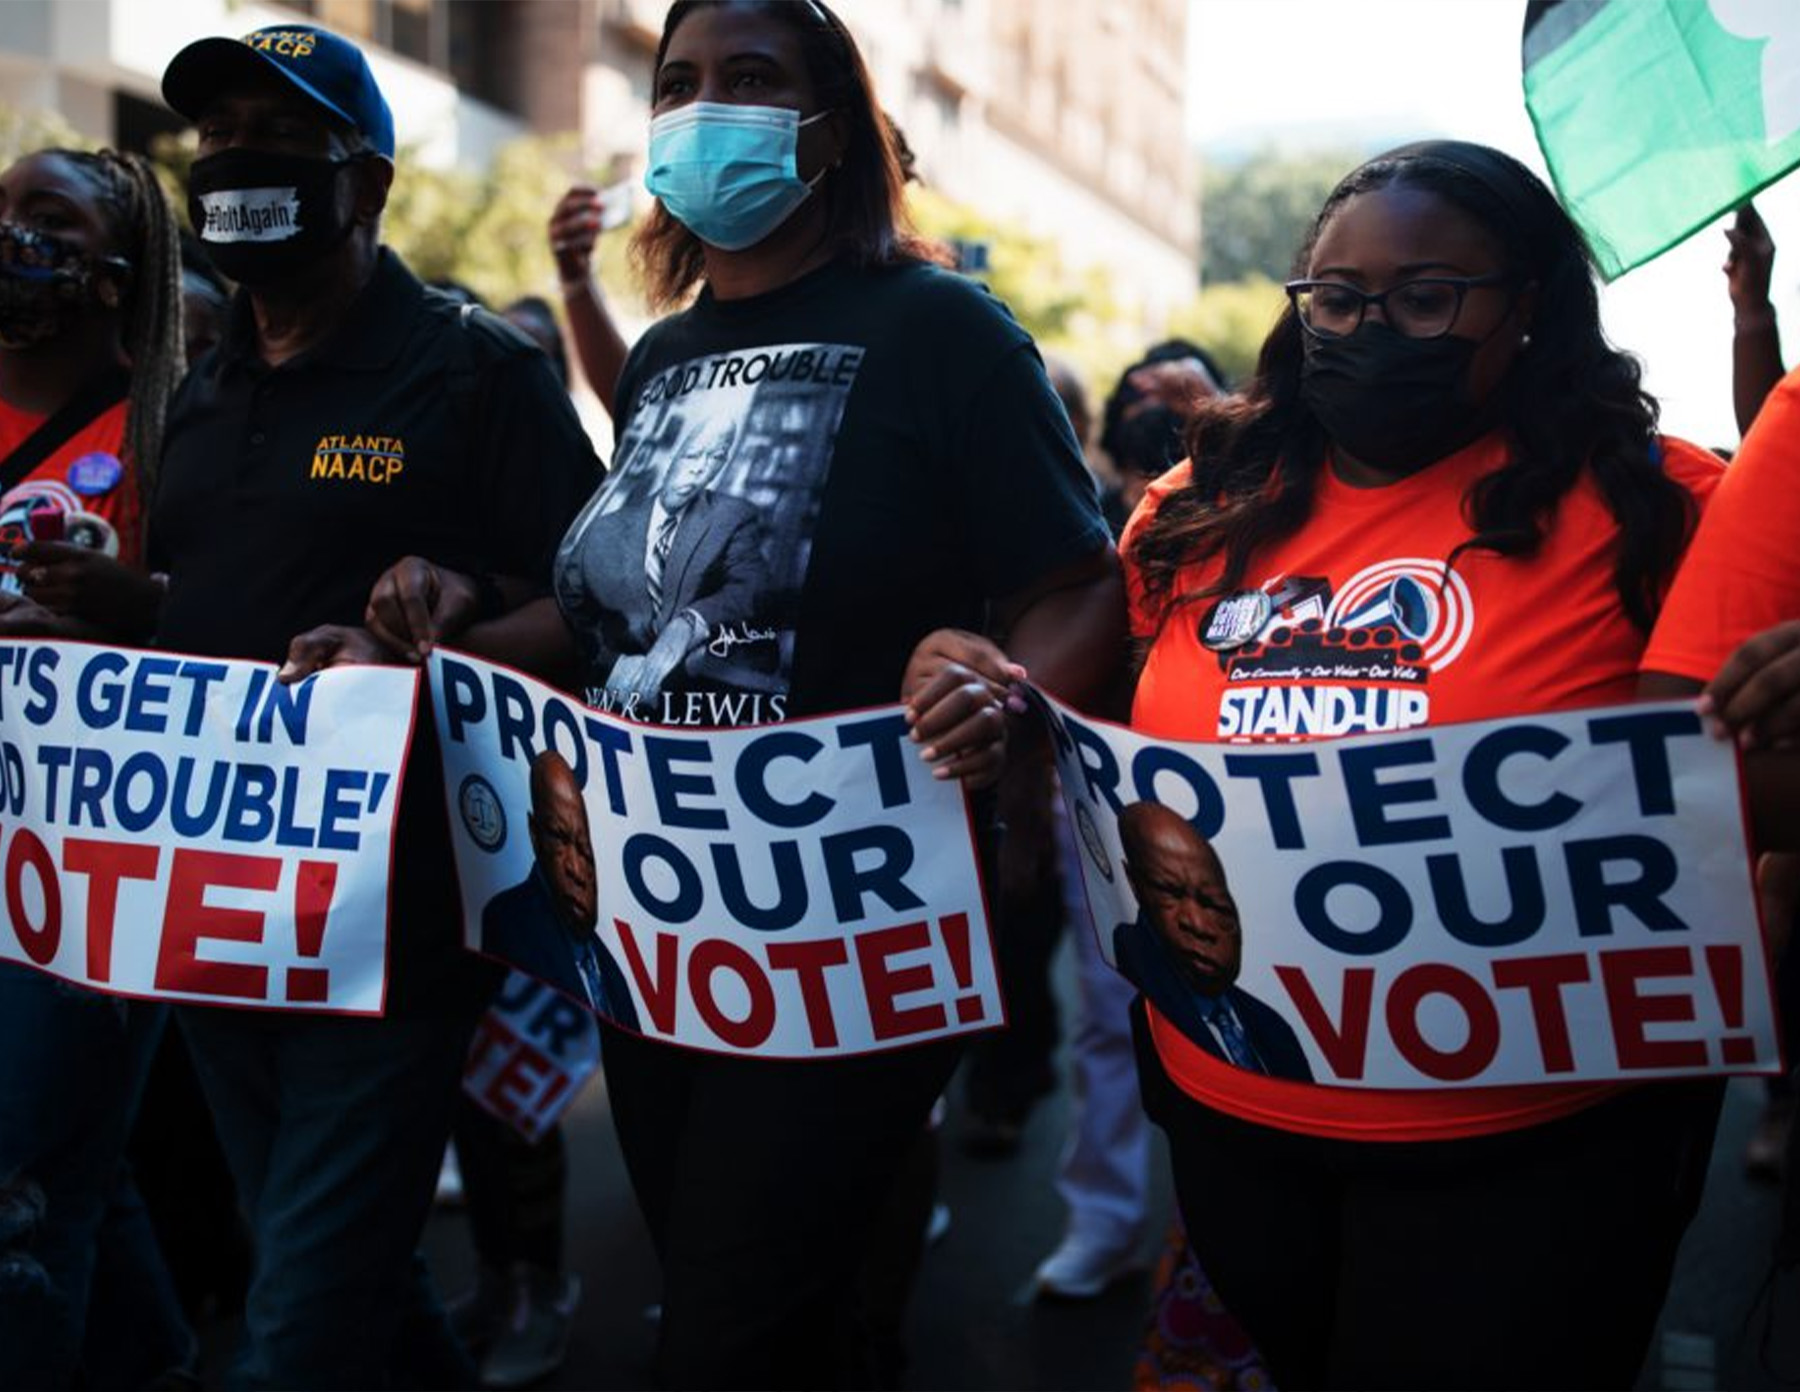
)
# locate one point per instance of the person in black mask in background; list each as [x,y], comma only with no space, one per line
[1142,423]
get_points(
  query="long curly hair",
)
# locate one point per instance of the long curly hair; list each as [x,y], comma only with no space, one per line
[866,218]
[1569,403]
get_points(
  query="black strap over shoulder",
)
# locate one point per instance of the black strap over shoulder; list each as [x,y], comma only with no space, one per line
[98,396]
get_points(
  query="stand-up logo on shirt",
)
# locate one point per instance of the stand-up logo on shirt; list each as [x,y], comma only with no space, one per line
[682,577]
[1338,660]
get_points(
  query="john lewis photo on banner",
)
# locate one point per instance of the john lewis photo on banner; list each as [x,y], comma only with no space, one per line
[1557,897]
[790,891]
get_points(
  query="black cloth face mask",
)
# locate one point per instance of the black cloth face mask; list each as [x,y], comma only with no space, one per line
[1393,403]
[45,281]
[264,216]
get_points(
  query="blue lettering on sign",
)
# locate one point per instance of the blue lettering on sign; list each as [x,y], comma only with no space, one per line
[1481,779]
[1371,797]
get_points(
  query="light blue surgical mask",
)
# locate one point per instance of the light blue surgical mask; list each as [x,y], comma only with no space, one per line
[726,172]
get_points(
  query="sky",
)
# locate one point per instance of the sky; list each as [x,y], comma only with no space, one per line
[1375,73]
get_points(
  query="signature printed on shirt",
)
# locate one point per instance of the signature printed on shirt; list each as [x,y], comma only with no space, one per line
[722,642]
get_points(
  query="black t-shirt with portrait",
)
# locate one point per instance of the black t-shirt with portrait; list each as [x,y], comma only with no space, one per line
[809,481]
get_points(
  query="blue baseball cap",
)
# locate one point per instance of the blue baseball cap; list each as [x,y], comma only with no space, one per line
[328,71]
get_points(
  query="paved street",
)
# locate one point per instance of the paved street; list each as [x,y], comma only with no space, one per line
[974,1326]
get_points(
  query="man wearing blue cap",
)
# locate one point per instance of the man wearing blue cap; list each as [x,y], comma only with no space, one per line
[348,418]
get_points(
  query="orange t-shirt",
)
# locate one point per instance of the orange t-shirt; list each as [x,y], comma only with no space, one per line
[82,482]
[1365,632]
[1739,576]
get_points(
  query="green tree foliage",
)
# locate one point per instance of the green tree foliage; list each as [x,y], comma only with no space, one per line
[1254,215]
[486,228]
[21,132]
[1072,312]
[1231,320]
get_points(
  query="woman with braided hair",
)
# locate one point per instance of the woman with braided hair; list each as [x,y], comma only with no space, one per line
[90,350]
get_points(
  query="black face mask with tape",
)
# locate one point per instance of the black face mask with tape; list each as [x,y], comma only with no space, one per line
[45,281]
[264,216]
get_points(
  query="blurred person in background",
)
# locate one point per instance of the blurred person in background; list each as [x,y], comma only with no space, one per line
[575,226]
[1142,421]
[1755,334]
[1009,1070]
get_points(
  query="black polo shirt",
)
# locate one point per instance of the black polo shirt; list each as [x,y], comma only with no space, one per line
[286,491]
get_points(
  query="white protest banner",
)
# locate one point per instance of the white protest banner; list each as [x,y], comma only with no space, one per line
[790,891]
[191,829]
[533,1052]
[1555,897]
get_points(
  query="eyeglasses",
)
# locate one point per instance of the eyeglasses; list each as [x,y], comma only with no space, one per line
[1423,308]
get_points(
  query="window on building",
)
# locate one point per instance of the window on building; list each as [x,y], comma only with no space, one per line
[415,29]
[412,22]
[480,54]
[354,19]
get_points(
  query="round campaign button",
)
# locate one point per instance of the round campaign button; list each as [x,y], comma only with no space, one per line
[483,815]
[95,474]
[1235,620]
[92,531]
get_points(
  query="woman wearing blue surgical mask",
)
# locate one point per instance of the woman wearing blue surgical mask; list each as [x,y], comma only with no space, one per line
[842,478]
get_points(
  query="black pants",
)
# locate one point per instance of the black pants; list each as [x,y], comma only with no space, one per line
[1536,1258]
[514,1189]
[1010,1069]
[761,1184]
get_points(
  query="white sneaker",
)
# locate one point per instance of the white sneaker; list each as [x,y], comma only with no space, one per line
[534,1340]
[1081,1268]
[449,1184]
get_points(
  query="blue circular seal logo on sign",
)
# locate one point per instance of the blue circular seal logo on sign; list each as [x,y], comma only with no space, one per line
[1091,840]
[94,475]
[482,812]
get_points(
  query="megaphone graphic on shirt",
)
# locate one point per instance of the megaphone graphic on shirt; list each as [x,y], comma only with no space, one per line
[1403,603]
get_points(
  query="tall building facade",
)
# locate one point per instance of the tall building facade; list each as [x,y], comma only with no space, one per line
[1062,116]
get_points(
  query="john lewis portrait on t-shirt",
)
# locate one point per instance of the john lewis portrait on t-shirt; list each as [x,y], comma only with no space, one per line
[682,576]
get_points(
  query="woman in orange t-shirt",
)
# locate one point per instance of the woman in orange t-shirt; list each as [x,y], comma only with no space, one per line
[1437,433]
[90,352]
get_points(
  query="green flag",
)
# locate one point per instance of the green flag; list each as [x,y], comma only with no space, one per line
[1655,116]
